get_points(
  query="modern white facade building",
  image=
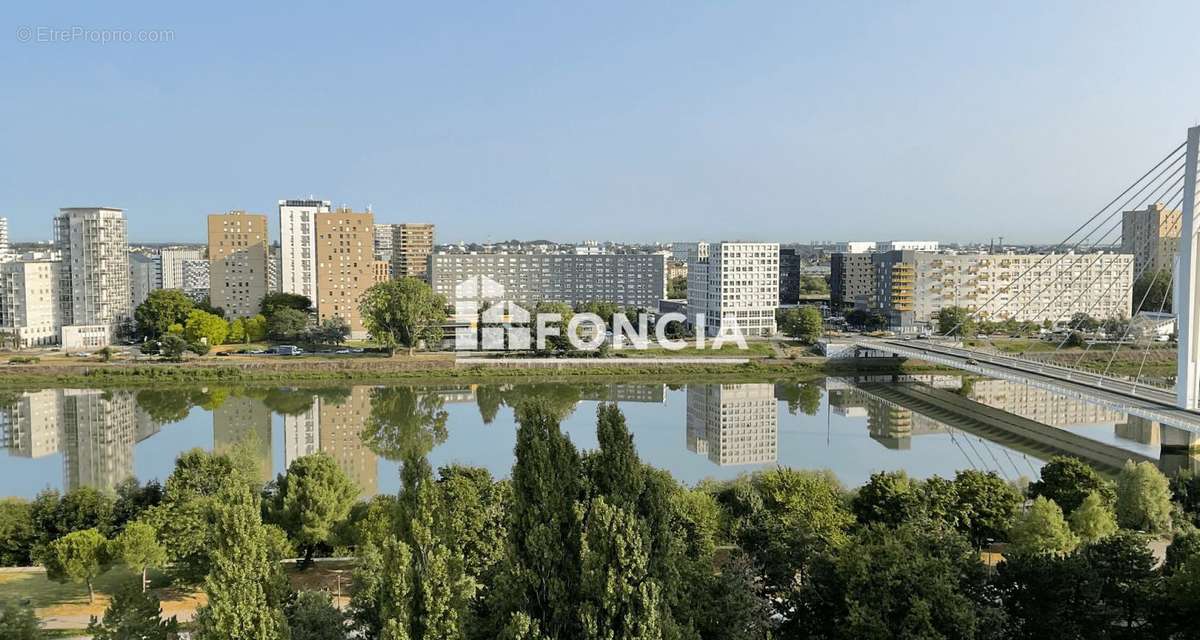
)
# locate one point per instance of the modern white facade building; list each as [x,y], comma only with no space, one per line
[30,310]
[736,287]
[94,287]
[733,424]
[172,259]
[4,246]
[298,245]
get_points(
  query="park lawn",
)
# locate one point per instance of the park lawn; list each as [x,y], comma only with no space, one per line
[66,605]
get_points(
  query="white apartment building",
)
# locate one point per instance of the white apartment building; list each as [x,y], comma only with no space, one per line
[172,259]
[733,424]
[4,246]
[636,280]
[736,287]
[910,287]
[30,310]
[94,289]
[384,233]
[298,245]
[195,282]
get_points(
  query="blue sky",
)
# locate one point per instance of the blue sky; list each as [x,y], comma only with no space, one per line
[788,121]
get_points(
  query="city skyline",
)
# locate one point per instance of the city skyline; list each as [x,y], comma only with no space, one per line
[620,120]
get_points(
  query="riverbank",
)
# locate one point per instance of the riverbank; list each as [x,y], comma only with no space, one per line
[433,369]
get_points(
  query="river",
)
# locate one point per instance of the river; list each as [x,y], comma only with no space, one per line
[64,438]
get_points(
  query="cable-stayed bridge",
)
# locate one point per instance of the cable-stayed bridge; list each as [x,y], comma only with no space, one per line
[1172,183]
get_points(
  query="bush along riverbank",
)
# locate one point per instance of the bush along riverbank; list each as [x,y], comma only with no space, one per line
[429,369]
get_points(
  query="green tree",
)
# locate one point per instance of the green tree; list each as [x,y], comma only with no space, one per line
[1125,582]
[133,614]
[273,302]
[333,330]
[312,498]
[1093,520]
[256,328]
[286,324]
[1143,498]
[17,537]
[618,598]
[244,587]
[558,342]
[237,331]
[615,470]
[137,547]
[955,321]
[1152,291]
[606,310]
[1046,596]
[1081,321]
[1183,547]
[1067,481]
[161,309]
[171,348]
[18,622]
[544,527]
[205,328]
[185,517]
[1185,487]
[1041,529]
[888,498]
[677,288]
[311,615]
[804,324]
[986,505]
[814,285]
[918,580]
[79,556]
[474,516]
[802,515]
[404,312]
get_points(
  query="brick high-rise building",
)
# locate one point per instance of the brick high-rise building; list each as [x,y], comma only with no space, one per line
[345,256]
[237,251]
[412,244]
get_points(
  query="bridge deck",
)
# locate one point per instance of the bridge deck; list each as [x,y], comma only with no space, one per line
[1122,395]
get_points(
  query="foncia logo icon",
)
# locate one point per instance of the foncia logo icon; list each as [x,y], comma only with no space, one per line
[492,323]
[487,321]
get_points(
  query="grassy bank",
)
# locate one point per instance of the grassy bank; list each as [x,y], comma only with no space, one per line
[425,370]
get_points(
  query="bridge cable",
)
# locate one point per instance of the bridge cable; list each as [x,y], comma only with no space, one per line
[1098,242]
[1075,323]
[1169,160]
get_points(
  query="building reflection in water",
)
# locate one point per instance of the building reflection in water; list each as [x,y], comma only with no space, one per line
[333,424]
[94,430]
[733,424]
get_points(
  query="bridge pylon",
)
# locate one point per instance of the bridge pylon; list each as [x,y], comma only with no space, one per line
[1187,309]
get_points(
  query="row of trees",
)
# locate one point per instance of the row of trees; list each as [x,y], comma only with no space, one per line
[597,544]
[171,323]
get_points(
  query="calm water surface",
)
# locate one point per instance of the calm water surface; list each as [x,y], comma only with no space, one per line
[63,438]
